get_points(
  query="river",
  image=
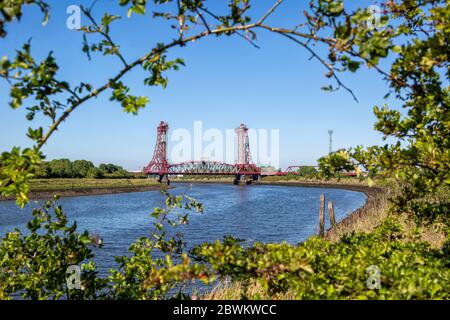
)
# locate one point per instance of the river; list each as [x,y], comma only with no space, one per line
[263,213]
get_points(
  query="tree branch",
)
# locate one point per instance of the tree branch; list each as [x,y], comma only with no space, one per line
[269,12]
[104,34]
[203,19]
[129,67]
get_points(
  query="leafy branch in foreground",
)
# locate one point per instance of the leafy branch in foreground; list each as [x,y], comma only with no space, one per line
[160,264]
[419,157]
[12,9]
[412,34]
[34,264]
[319,269]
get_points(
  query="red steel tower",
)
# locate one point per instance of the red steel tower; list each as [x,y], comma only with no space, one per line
[159,164]
[244,159]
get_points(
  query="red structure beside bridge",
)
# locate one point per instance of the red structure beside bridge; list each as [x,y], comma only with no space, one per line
[244,169]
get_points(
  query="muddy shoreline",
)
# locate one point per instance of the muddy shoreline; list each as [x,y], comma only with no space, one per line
[37,195]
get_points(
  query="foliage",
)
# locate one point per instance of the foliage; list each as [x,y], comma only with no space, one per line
[12,9]
[64,168]
[335,163]
[113,171]
[94,173]
[419,158]
[16,168]
[319,269]
[81,168]
[307,171]
[33,264]
[412,36]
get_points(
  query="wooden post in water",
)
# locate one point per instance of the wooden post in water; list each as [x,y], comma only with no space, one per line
[322,216]
[331,214]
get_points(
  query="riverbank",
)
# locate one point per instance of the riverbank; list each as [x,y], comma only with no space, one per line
[363,219]
[46,188]
[401,244]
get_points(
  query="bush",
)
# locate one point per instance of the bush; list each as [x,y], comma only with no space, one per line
[308,172]
[319,269]
[94,173]
[64,168]
[33,264]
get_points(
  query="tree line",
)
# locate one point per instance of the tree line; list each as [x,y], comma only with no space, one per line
[64,168]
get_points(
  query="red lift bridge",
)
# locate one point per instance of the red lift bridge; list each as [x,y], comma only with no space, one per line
[244,170]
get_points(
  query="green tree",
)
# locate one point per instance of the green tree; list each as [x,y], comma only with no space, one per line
[61,168]
[109,168]
[415,35]
[307,171]
[335,163]
[81,168]
[113,171]
[43,171]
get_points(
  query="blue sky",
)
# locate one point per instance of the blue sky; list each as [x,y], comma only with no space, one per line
[225,82]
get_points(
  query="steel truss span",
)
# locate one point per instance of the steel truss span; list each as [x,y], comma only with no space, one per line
[211,168]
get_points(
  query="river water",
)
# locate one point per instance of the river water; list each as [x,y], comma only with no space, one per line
[254,213]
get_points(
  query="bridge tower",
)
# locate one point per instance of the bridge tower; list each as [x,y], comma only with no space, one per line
[244,169]
[159,163]
[243,145]
[244,158]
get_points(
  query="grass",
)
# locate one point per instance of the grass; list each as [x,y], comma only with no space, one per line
[83,184]
[365,219]
[237,291]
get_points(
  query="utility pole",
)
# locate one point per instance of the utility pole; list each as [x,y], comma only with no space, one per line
[330,132]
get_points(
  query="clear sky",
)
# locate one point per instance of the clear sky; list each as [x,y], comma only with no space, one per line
[226,81]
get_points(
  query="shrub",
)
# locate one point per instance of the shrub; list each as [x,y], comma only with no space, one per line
[319,269]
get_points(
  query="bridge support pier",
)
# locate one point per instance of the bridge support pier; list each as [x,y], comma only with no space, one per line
[164,178]
[256,177]
[246,179]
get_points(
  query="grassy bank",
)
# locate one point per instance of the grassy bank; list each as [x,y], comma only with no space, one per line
[77,184]
[46,188]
